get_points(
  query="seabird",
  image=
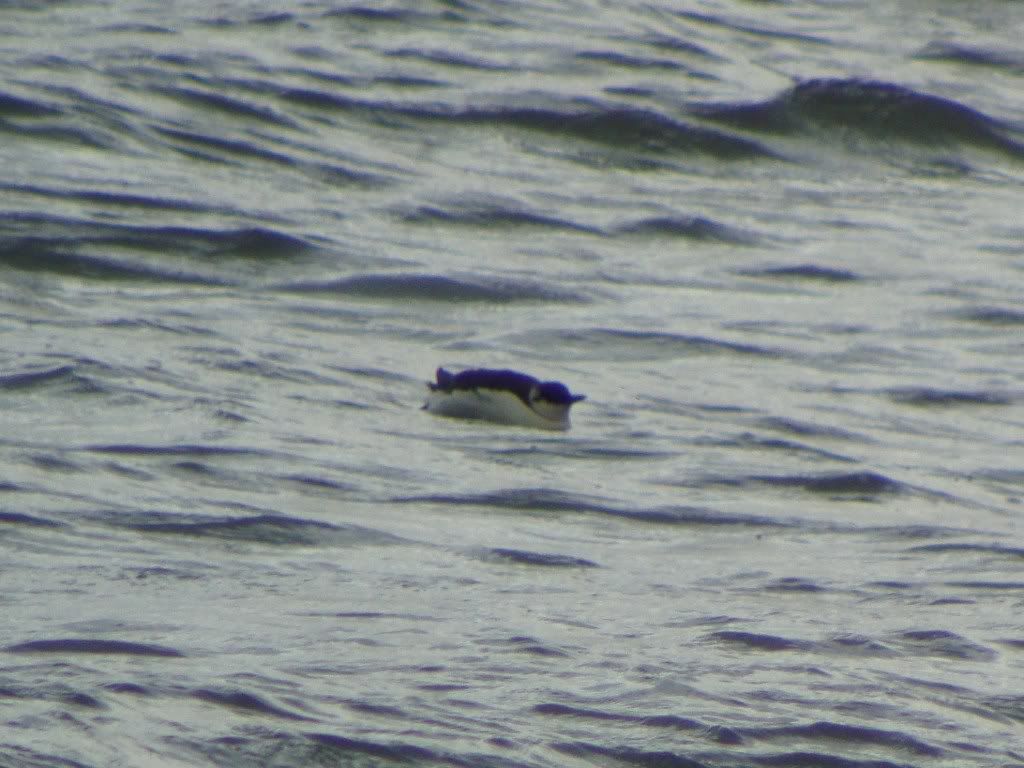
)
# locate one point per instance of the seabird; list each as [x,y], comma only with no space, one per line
[501,396]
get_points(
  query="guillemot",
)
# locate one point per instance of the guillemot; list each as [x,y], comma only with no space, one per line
[501,396]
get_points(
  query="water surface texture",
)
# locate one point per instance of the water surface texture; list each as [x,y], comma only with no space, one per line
[778,246]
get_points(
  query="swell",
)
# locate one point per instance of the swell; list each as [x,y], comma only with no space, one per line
[879,110]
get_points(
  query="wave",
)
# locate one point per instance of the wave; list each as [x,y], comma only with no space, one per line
[973,56]
[491,215]
[542,559]
[930,397]
[507,215]
[659,721]
[814,272]
[90,645]
[175,449]
[261,529]
[56,256]
[617,345]
[627,61]
[37,378]
[243,701]
[692,227]
[874,109]
[945,644]
[629,756]
[838,484]
[406,286]
[333,749]
[618,126]
[808,429]
[832,733]
[19,518]
[960,547]
[750,440]
[205,100]
[760,642]
[546,500]
[84,249]
[993,316]
[12,105]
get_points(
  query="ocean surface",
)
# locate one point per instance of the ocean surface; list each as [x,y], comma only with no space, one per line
[778,245]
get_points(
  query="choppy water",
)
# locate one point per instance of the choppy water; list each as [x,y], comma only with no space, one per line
[778,246]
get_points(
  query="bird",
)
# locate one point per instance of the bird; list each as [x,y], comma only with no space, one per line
[501,396]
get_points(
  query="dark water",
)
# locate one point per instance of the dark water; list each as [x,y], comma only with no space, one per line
[778,246]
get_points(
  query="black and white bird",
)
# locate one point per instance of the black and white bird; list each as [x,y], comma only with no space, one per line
[501,396]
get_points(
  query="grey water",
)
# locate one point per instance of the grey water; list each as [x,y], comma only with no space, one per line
[778,246]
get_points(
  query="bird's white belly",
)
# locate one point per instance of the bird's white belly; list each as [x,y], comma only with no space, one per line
[491,405]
